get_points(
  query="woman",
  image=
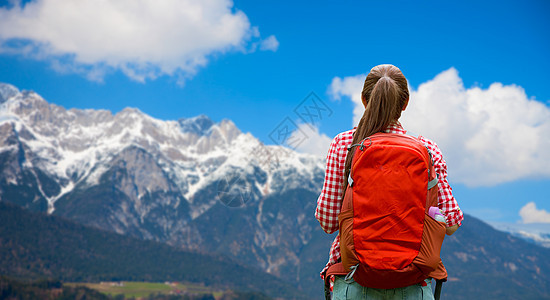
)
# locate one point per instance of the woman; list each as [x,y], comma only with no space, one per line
[385,95]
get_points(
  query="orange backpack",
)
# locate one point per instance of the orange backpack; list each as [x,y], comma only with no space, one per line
[387,238]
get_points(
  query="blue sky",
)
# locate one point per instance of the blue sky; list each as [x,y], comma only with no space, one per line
[254,62]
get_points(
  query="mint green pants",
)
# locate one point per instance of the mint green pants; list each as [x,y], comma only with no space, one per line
[351,290]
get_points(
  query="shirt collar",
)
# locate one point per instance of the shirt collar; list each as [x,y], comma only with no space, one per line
[395,127]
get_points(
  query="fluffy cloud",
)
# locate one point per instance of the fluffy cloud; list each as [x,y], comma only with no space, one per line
[488,136]
[530,214]
[311,140]
[142,38]
[351,88]
[269,44]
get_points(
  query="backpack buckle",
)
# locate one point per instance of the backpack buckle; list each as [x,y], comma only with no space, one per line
[363,143]
[349,276]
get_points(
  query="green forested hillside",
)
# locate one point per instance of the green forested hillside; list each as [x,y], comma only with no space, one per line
[33,245]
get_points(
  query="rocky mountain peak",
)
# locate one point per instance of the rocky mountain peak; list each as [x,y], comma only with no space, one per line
[198,125]
[229,130]
[7,91]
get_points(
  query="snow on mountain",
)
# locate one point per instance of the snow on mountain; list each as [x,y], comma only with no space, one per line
[7,91]
[77,146]
[537,233]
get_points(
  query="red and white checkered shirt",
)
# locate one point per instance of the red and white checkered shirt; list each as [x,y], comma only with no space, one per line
[329,202]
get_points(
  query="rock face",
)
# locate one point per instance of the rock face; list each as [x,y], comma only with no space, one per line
[191,183]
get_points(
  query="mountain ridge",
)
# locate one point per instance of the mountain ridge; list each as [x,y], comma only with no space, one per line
[537,233]
[70,143]
[484,261]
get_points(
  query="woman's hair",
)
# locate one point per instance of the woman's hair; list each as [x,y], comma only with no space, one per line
[384,95]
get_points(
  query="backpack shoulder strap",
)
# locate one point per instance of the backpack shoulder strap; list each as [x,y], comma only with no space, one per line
[434,181]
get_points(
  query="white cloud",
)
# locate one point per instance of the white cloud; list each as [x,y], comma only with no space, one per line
[488,136]
[311,140]
[271,43]
[530,214]
[142,38]
[351,88]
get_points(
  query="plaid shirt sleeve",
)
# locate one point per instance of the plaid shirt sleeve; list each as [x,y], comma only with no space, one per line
[328,203]
[446,202]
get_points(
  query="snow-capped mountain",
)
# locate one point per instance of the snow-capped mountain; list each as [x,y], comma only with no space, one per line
[77,146]
[537,233]
[185,182]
